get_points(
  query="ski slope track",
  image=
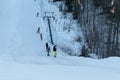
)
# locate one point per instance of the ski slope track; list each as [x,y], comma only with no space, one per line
[18,25]
[23,54]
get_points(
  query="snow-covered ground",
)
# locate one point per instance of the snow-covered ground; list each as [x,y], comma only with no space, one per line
[18,25]
[60,68]
[23,55]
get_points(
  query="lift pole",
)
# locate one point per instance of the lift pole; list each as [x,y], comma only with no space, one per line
[48,16]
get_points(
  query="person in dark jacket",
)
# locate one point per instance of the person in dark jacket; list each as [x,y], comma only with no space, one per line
[47,49]
[54,51]
[38,32]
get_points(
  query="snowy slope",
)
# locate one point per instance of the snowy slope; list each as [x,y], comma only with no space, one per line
[18,25]
[23,55]
[7,27]
[65,31]
[60,68]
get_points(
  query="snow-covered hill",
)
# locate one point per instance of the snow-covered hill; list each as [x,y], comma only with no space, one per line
[19,25]
[60,68]
[23,54]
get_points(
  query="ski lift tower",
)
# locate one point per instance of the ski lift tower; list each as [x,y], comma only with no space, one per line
[48,16]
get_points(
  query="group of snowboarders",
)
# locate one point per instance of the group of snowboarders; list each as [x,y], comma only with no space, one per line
[49,50]
[47,46]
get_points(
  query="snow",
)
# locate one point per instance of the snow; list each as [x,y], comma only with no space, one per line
[23,54]
[18,26]
[64,31]
[60,68]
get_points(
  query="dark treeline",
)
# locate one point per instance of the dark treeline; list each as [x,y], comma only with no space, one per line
[100,23]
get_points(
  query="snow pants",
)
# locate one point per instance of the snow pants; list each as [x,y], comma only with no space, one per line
[54,53]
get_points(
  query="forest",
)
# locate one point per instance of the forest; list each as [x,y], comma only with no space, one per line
[100,23]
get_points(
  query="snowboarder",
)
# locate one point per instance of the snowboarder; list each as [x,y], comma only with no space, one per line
[47,49]
[54,51]
[38,32]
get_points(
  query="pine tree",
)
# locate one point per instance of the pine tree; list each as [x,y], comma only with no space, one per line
[69,5]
